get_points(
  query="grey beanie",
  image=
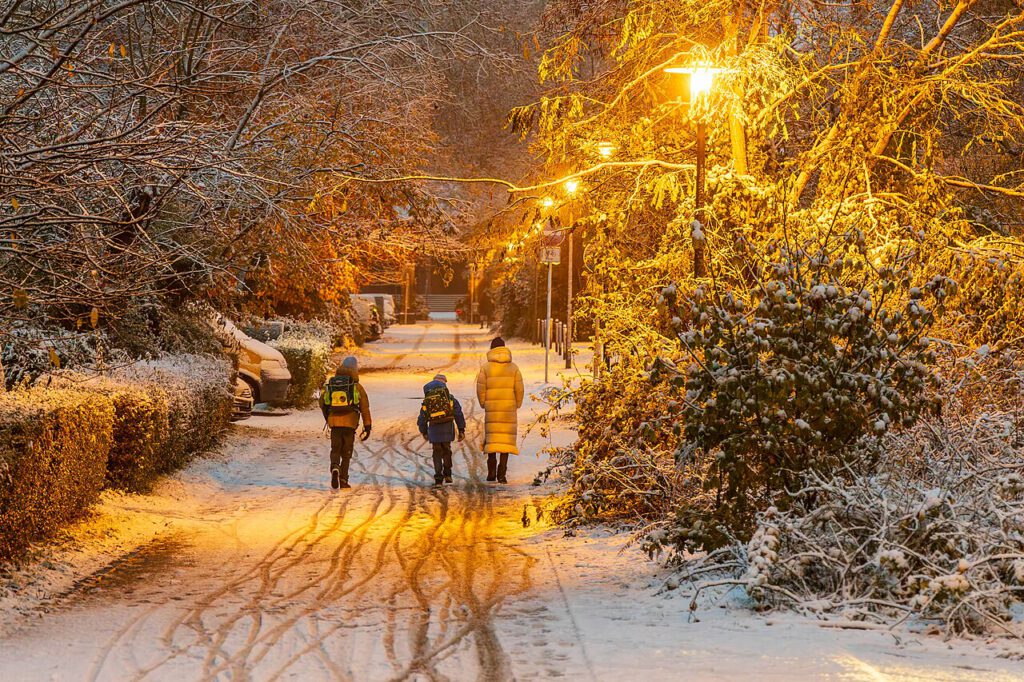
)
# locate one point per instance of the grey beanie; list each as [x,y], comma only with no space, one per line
[349,363]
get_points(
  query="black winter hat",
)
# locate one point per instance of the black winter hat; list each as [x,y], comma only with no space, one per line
[497,342]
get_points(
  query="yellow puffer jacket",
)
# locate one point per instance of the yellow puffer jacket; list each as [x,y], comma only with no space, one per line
[499,388]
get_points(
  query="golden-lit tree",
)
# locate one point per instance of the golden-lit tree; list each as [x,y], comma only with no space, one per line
[894,129]
[153,153]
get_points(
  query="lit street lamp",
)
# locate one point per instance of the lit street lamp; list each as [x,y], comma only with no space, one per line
[701,79]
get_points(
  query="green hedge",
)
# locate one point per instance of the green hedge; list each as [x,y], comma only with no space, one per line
[199,392]
[141,427]
[63,439]
[307,358]
[53,458]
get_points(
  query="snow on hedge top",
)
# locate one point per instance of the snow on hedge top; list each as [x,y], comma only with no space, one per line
[13,404]
[184,371]
[301,342]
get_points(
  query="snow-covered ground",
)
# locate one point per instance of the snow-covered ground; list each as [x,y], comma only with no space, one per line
[247,566]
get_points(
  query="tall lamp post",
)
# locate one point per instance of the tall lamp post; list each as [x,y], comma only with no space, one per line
[472,291]
[407,294]
[606,150]
[701,79]
[571,187]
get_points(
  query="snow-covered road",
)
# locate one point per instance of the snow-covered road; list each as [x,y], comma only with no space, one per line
[259,571]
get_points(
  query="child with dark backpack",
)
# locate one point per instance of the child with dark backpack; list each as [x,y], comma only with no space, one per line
[440,415]
[344,403]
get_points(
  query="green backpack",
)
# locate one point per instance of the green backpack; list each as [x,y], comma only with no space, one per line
[341,395]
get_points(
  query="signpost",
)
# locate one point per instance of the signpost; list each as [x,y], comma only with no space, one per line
[550,256]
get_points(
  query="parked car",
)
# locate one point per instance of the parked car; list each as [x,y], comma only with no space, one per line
[366,315]
[242,408]
[385,304]
[263,368]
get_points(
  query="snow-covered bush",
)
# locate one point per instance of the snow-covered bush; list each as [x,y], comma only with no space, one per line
[53,457]
[809,368]
[307,357]
[29,352]
[927,528]
[621,465]
[200,395]
[141,426]
[942,542]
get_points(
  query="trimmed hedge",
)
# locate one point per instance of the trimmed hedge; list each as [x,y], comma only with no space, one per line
[53,458]
[141,427]
[199,394]
[307,358]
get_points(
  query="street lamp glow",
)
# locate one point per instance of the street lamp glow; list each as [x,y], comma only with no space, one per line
[605,149]
[571,186]
[547,202]
[702,78]
[700,81]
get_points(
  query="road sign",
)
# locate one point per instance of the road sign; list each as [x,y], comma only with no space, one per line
[551,255]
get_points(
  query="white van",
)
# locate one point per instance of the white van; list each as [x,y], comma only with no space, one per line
[263,368]
[366,315]
[385,304]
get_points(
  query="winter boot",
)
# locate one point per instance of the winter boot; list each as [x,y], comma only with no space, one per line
[502,479]
[447,479]
[335,478]
[344,484]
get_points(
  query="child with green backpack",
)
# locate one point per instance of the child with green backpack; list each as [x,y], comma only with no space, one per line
[439,416]
[344,402]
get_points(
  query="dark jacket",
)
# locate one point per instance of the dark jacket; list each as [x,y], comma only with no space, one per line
[349,419]
[441,433]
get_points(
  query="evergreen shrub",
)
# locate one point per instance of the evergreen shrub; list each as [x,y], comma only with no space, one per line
[199,393]
[307,358]
[54,445]
[141,427]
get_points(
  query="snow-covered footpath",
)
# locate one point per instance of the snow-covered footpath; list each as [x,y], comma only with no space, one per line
[247,566]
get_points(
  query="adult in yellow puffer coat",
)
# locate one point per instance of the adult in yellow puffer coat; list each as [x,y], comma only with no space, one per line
[499,388]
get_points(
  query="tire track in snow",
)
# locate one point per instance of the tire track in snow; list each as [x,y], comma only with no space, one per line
[427,570]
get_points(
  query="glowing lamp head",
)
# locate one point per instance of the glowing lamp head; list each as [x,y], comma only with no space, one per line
[571,186]
[547,202]
[605,149]
[702,78]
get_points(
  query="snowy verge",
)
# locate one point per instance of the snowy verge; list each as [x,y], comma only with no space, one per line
[119,525]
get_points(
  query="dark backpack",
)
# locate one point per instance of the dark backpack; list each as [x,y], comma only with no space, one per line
[341,396]
[439,406]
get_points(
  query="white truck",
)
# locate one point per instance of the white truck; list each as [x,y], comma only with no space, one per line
[385,304]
